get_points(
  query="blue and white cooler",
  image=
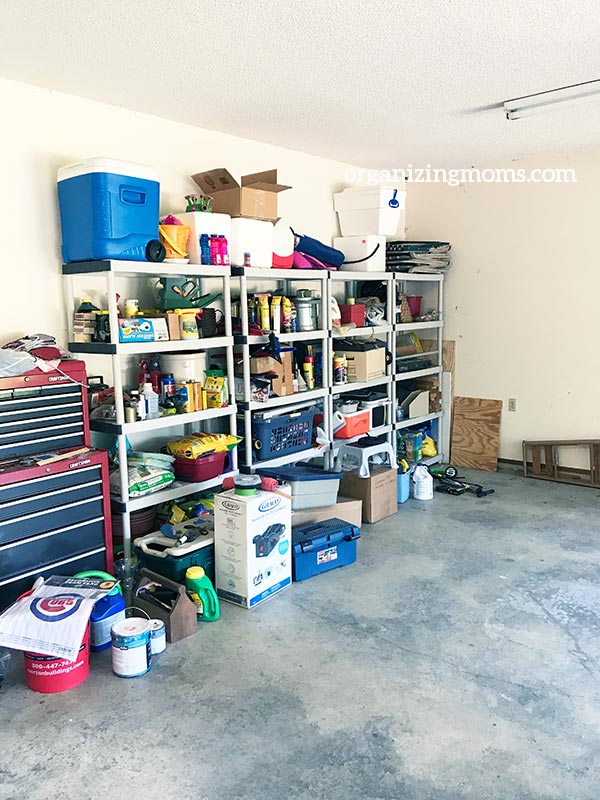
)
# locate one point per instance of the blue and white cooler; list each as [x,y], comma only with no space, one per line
[109,209]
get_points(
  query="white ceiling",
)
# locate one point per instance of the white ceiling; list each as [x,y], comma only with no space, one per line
[380,83]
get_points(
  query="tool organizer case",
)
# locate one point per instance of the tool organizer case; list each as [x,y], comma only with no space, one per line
[322,547]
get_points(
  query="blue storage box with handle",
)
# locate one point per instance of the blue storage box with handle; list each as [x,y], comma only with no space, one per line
[109,209]
[323,546]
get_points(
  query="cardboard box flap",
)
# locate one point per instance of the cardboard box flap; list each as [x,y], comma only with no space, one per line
[267,181]
[216,180]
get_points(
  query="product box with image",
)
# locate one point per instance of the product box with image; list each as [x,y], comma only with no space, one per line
[253,558]
[142,329]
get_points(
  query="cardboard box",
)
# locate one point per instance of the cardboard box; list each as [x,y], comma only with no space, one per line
[346,509]
[256,197]
[173,323]
[364,365]
[416,404]
[253,548]
[283,384]
[379,493]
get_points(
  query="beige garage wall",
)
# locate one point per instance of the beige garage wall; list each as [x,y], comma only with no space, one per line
[43,130]
[523,294]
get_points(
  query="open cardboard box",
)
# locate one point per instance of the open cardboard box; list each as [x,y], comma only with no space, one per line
[256,197]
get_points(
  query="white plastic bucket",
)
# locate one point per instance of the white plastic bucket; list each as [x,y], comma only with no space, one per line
[422,483]
[184,366]
[375,210]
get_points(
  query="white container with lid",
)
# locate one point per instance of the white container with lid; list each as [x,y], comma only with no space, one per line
[376,210]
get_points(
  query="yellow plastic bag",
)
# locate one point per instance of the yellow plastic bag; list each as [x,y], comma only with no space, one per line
[429,449]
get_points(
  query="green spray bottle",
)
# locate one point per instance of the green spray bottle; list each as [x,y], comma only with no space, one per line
[200,588]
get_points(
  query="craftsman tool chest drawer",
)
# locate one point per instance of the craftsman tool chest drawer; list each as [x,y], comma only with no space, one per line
[43,411]
[53,518]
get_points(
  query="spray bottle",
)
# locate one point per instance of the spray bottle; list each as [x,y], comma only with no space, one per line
[308,368]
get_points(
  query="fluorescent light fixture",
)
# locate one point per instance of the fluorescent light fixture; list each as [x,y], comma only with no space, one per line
[552,100]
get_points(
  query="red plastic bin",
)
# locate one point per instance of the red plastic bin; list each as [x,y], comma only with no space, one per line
[200,469]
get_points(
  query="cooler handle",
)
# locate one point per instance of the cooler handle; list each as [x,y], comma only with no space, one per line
[131,196]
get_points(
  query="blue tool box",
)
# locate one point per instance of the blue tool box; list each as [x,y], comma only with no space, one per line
[323,546]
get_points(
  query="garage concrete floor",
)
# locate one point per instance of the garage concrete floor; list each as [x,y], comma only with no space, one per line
[459,658]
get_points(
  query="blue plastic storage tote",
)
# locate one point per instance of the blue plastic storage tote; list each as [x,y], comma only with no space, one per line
[108,209]
[323,546]
[283,435]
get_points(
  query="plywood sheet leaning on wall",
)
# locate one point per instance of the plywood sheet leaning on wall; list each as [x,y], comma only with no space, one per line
[476,432]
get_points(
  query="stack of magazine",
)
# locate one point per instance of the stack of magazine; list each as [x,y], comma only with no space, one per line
[427,257]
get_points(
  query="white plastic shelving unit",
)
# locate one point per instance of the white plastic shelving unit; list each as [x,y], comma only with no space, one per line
[345,284]
[431,286]
[287,281]
[111,271]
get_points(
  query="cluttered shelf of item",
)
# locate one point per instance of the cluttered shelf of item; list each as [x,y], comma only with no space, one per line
[307,410]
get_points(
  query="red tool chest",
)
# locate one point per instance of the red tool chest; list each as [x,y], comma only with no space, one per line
[54,518]
[43,411]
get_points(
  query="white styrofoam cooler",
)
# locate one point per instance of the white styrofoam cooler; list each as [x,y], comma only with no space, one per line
[355,248]
[366,210]
[204,222]
[254,236]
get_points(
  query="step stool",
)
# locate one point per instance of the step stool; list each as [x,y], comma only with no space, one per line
[363,453]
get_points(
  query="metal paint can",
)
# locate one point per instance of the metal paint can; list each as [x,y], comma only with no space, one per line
[131,647]
[158,636]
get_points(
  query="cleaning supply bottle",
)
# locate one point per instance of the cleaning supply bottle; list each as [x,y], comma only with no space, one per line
[106,611]
[200,588]
[151,402]
[205,249]
[224,250]
[422,483]
[215,256]
[308,369]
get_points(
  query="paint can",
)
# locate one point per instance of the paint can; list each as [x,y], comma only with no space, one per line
[48,674]
[131,647]
[158,636]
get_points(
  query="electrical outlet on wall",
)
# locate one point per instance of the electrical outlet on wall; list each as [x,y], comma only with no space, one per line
[512,404]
